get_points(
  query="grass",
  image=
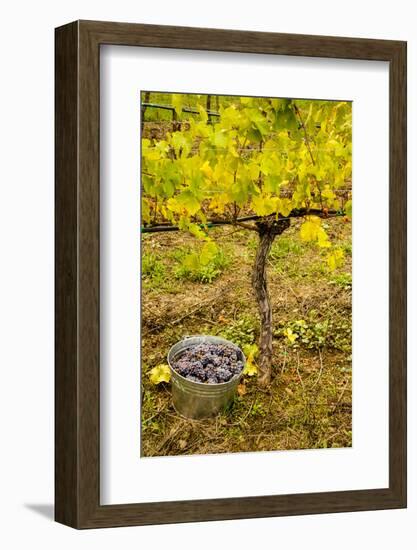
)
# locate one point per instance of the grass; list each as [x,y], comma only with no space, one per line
[285,247]
[308,404]
[342,280]
[153,270]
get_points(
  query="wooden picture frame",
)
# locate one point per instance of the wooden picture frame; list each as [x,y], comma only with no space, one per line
[77,382]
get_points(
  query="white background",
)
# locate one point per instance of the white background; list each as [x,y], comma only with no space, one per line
[125,477]
[26,289]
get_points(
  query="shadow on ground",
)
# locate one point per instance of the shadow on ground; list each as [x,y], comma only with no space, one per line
[45,510]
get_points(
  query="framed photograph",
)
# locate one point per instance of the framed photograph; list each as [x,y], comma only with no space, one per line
[230,274]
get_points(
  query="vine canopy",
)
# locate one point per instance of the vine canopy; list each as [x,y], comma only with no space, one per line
[262,156]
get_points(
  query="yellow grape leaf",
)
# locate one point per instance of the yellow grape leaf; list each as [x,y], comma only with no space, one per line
[218,202]
[177,103]
[253,170]
[191,261]
[207,169]
[197,231]
[250,351]
[285,207]
[311,230]
[181,144]
[323,239]
[160,373]
[250,368]
[292,337]
[208,252]
[220,138]
[269,164]
[162,146]
[151,153]
[174,206]
[146,214]
[186,201]
[264,205]
[336,204]
[335,259]
[327,193]
[203,113]
[230,117]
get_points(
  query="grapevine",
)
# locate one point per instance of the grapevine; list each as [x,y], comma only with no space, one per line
[260,163]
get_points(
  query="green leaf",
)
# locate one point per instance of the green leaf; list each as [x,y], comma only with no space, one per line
[220,138]
[192,261]
[197,231]
[348,209]
[169,188]
[146,214]
[180,144]
[286,120]
[188,201]
[269,164]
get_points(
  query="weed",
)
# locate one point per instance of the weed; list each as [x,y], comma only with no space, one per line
[315,334]
[241,332]
[283,246]
[343,280]
[197,271]
[153,270]
[257,409]
[347,248]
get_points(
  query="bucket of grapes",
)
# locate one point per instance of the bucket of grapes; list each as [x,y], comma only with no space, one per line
[205,372]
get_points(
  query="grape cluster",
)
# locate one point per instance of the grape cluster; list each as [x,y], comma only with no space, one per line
[209,363]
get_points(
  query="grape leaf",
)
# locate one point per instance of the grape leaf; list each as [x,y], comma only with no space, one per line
[160,373]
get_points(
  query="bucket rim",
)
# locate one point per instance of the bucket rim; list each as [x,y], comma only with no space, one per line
[235,377]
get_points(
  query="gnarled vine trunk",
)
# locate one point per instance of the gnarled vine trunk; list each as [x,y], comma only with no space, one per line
[267,233]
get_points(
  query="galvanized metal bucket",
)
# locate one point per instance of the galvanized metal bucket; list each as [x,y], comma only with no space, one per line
[196,399]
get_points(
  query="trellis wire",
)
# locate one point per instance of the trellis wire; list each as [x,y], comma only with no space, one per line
[215,223]
[183,109]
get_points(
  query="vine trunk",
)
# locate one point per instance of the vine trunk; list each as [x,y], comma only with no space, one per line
[267,234]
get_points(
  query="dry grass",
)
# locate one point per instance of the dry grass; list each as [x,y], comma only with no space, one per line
[308,404]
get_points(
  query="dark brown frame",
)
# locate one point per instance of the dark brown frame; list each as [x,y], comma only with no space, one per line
[77,371]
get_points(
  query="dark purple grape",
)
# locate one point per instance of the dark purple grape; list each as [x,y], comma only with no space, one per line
[209,363]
